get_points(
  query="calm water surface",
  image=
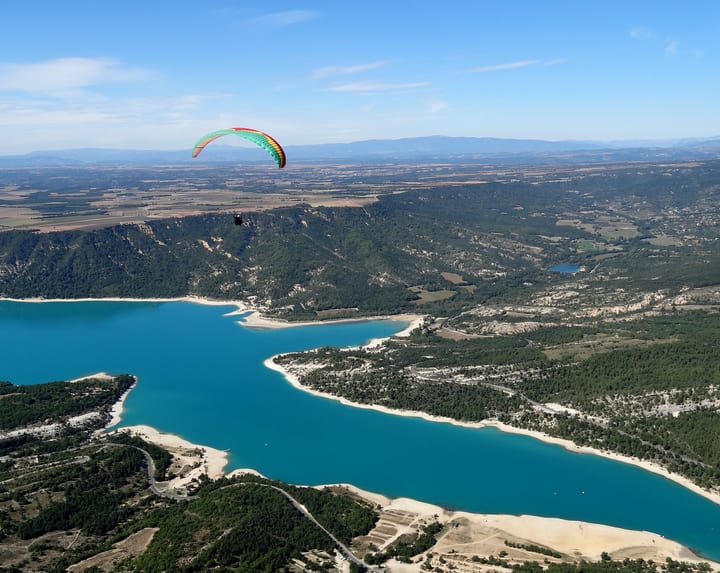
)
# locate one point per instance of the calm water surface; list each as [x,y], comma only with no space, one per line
[201,376]
[565,268]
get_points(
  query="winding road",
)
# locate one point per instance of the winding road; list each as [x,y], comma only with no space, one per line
[302,509]
[296,504]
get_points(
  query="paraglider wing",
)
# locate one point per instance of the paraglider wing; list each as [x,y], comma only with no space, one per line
[258,137]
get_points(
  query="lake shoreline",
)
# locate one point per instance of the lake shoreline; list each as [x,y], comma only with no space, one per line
[582,540]
[567,444]
[215,461]
[254,319]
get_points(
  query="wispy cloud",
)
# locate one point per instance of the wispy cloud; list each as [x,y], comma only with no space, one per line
[640,33]
[152,122]
[130,111]
[24,115]
[506,66]
[671,48]
[334,71]
[436,106]
[369,87]
[65,74]
[283,19]
[555,62]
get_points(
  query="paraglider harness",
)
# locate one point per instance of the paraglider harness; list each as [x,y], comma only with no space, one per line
[237,217]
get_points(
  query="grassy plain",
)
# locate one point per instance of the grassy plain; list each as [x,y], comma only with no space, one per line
[94,196]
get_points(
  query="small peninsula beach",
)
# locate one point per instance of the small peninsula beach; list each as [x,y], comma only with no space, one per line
[256,320]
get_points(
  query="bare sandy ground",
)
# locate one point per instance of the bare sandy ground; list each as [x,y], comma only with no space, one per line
[256,320]
[470,534]
[190,461]
[241,306]
[132,546]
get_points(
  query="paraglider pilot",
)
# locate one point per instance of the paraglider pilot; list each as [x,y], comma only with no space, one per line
[238,219]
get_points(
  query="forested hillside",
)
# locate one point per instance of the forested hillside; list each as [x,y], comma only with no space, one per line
[311,259]
[434,249]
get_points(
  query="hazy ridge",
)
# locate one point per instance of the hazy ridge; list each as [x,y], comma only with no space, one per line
[412,150]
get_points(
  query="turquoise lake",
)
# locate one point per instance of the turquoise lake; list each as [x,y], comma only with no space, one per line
[201,376]
[565,268]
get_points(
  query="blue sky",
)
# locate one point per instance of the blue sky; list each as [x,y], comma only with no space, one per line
[156,74]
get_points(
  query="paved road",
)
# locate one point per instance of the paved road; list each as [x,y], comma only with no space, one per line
[151,474]
[296,504]
[153,484]
[302,509]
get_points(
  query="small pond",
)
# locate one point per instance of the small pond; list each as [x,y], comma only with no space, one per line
[566,268]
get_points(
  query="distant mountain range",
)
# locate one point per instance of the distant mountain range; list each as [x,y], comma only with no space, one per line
[414,150]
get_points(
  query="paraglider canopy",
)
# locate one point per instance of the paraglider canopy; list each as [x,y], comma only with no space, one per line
[258,137]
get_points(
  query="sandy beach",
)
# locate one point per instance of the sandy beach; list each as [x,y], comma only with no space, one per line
[117,409]
[190,461]
[255,319]
[472,534]
[242,307]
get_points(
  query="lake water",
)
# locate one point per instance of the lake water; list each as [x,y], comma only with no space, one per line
[565,268]
[201,376]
